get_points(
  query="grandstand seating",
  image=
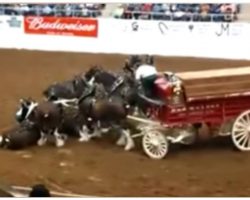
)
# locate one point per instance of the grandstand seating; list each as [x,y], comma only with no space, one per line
[179,12]
[147,11]
[65,10]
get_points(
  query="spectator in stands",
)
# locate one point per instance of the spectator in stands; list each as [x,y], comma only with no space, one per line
[47,11]
[229,12]
[181,12]
[204,12]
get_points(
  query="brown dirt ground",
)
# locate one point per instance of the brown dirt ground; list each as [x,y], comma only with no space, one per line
[99,167]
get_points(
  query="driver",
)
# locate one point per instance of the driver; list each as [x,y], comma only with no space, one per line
[146,74]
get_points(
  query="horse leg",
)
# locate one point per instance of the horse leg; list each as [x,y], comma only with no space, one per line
[60,140]
[104,130]
[83,133]
[43,139]
[122,140]
[130,142]
[125,138]
[97,133]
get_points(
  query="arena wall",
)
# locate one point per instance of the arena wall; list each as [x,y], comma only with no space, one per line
[187,39]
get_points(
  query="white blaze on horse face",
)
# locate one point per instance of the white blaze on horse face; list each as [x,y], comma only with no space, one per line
[91,81]
[1,139]
[31,108]
[19,112]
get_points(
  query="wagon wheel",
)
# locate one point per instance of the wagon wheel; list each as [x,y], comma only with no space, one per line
[241,131]
[155,144]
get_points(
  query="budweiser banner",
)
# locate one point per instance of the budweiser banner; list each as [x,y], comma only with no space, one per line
[61,26]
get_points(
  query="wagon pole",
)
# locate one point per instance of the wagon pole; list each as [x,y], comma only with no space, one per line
[145,121]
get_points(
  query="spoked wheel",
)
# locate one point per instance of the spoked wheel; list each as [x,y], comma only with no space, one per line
[241,131]
[155,144]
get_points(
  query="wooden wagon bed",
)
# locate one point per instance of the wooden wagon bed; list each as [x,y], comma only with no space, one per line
[216,83]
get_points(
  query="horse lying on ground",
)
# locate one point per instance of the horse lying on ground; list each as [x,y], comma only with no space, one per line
[50,120]
[20,137]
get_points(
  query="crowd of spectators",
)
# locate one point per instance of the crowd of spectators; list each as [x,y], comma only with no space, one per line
[155,11]
[65,10]
[178,12]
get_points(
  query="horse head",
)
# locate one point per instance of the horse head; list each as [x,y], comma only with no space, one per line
[25,109]
[99,91]
[79,83]
[92,72]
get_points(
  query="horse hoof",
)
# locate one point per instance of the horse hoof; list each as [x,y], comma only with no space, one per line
[60,143]
[121,141]
[96,134]
[41,142]
[105,130]
[83,139]
[129,146]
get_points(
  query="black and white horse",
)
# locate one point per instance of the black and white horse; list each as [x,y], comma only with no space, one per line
[22,136]
[49,118]
[96,74]
[69,89]
[95,108]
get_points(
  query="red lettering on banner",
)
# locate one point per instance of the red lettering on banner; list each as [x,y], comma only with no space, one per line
[61,26]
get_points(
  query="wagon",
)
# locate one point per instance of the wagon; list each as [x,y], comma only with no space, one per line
[218,98]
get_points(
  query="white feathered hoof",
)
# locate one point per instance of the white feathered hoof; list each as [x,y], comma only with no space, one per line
[96,134]
[121,141]
[60,142]
[105,130]
[130,145]
[41,142]
[83,138]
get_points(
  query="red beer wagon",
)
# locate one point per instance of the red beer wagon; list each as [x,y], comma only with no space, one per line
[218,98]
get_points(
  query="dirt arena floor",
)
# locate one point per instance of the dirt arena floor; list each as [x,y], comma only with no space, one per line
[100,168]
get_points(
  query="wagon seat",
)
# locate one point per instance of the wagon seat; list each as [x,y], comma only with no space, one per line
[169,88]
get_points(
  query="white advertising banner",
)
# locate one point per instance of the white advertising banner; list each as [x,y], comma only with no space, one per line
[188,39]
[167,28]
[11,23]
